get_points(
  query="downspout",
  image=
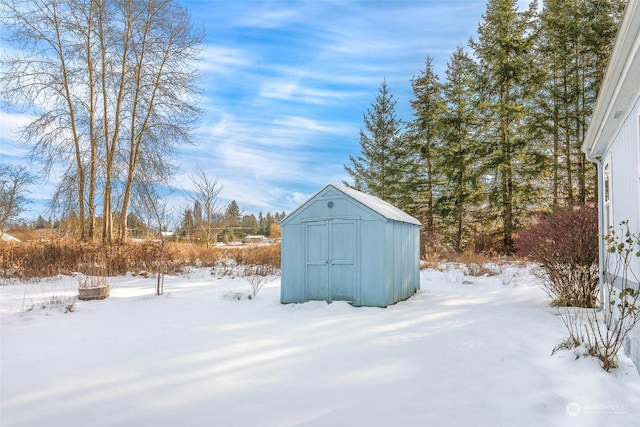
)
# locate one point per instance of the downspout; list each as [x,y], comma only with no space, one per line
[601,231]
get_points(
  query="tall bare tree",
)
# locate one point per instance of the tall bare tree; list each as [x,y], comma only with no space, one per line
[112,87]
[209,215]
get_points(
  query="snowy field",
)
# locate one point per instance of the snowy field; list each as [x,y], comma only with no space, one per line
[465,351]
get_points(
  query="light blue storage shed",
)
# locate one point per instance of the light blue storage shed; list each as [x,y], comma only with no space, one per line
[345,245]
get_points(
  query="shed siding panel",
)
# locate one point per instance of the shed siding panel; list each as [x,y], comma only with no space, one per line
[414,263]
[397,262]
[416,259]
[388,263]
[343,254]
[402,250]
[317,260]
[406,262]
[372,270]
[292,281]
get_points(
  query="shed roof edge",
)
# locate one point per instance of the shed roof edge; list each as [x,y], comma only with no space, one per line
[377,205]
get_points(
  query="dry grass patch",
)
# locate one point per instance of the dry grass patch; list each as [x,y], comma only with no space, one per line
[474,264]
[29,260]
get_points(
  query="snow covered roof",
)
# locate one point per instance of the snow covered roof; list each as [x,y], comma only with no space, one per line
[376,204]
[387,210]
[8,237]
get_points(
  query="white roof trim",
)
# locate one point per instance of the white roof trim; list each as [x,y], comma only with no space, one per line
[620,86]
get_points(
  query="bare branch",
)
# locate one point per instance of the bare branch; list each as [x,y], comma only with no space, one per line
[13,183]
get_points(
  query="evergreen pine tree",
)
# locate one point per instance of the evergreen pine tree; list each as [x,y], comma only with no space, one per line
[232,214]
[249,224]
[379,168]
[510,160]
[266,228]
[460,152]
[421,177]
[188,225]
[573,49]
[260,223]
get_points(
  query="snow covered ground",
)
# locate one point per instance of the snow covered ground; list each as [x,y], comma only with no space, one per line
[465,351]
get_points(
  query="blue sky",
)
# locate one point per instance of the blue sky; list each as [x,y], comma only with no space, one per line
[286,86]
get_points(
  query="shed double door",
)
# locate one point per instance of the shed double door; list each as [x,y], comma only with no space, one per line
[331,259]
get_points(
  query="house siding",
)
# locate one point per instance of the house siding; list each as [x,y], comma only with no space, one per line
[612,142]
[624,158]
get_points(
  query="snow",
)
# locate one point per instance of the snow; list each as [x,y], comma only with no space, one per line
[5,237]
[464,351]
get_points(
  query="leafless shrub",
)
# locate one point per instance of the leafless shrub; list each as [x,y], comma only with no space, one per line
[259,275]
[573,319]
[475,264]
[45,296]
[565,244]
[621,309]
[603,333]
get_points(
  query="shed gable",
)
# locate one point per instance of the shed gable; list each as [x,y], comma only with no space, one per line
[374,205]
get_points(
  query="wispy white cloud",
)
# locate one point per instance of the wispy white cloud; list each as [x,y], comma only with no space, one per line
[257,162]
[269,16]
[11,152]
[10,122]
[291,90]
[303,125]
[225,60]
[254,176]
